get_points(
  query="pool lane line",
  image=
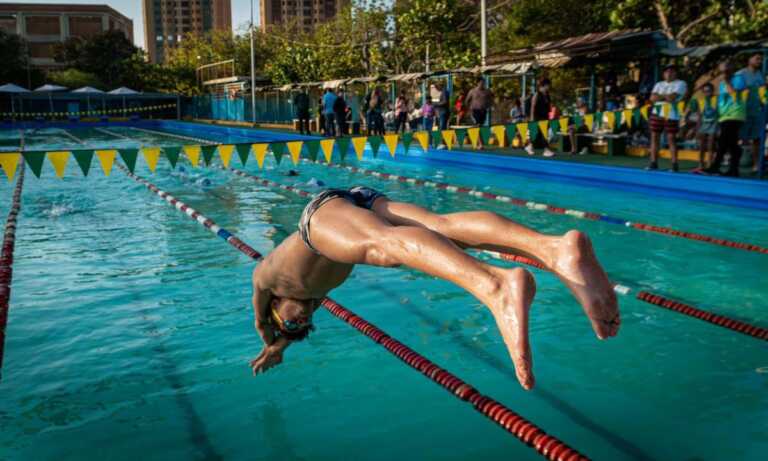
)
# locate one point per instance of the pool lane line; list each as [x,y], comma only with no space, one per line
[174,135]
[6,259]
[551,208]
[642,295]
[546,445]
[72,137]
[112,133]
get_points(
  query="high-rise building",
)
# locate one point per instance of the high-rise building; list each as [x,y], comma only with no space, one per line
[167,21]
[45,25]
[305,14]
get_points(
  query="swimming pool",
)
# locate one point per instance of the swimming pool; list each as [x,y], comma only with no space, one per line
[130,328]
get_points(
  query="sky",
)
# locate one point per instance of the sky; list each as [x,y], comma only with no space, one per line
[241,12]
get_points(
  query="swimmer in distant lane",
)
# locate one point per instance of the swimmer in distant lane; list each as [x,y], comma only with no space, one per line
[341,228]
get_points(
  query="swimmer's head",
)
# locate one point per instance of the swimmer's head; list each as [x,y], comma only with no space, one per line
[293,317]
[292,173]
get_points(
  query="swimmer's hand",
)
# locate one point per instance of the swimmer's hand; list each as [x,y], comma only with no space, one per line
[270,357]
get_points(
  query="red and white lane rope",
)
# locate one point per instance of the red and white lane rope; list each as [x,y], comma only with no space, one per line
[6,259]
[551,208]
[645,296]
[546,445]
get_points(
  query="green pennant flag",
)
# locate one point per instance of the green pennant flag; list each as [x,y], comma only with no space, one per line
[35,161]
[485,134]
[407,139]
[533,130]
[129,157]
[342,144]
[83,158]
[437,138]
[578,121]
[313,148]
[554,125]
[208,150]
[461,135]
[636,117]
[172,154]
[511,130]
[375,143]
[598,119]
[278,149]
[243,150]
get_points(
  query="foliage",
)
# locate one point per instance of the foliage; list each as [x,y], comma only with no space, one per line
[75,78]
[108,55]
[13,57]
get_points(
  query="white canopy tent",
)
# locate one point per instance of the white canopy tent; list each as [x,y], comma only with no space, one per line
[88,91]
[123,91]
[12,89]
[49,88]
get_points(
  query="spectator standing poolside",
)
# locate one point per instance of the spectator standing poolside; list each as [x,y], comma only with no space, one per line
[442,106]
[479,100]
[750,131]
[461,109]
[581,111]
[428,114]
[340,110]
[732,111]
[706,127]
[374,113]
[516,111]
[320,116]
[401,112]
[541,104]
[301,106]
[665,117]
[329,100]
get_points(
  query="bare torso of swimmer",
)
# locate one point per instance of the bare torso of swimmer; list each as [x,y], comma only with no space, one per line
[292,271]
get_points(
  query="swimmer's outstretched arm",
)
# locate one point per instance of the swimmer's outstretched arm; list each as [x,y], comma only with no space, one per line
[270,356]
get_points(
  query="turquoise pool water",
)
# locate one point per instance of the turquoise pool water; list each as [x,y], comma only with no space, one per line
[130,330]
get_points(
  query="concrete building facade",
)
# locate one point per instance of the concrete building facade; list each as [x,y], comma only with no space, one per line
[305,14]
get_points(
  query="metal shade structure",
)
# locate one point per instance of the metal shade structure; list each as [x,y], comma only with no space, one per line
[123,91]
[12,89]
[88,91]
[49,88]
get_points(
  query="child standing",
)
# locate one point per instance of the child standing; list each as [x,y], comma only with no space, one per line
[706,129]
[428,114]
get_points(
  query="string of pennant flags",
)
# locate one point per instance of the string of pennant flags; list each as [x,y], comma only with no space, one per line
[207,151]
[89,113]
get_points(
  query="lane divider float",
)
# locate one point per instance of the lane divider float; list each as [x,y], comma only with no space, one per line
[546,445]
[550,208]
[6,259]
[645,296]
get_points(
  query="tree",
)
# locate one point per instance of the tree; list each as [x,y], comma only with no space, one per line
[75,78]
[13,56]
[108,55]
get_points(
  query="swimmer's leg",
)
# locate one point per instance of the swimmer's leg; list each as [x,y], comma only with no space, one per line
[347,234]
[570,256]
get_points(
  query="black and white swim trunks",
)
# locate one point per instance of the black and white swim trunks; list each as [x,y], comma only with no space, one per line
[360,196]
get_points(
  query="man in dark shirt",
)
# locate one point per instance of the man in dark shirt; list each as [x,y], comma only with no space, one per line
[301,105]
[340,108]
[540,107]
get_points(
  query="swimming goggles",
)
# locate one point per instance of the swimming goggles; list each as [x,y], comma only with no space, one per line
[290,326]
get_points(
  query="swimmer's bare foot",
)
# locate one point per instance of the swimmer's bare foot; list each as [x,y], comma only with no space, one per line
[577,266]
[510,310]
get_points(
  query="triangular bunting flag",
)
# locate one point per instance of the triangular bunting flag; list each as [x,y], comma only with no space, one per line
[35,161]
[665,109]
[461,136]
[208,151]
[563,125]
[375,143]
[129,157]
[9,161]
[498,133]
[151,156]
[225,154]
[313,147]
[83,158]
[522,128]
[436,137]
[533,131]
[485,134]
[260,152]
[628,117]
[342,146]
[680,108]
[358,144]
[423,139]
[744,94]
[327,147]
[544,128]
[589,120]
[242,151]
[713,101]
[172,154]
[391,141]
[59,161]
[610,119]
[474,136]
[406,139]
[294,148]
[762,93]
[193,154]
[449,137]
[511,132]
[278,150]
[644,112]
[106,159]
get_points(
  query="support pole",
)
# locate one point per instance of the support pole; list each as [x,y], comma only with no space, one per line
[253,74]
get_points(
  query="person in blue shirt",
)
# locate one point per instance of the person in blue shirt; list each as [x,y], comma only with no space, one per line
[329,99]
[731,113]
[750,130]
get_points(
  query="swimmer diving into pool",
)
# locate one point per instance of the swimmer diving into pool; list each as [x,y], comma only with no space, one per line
[341,228]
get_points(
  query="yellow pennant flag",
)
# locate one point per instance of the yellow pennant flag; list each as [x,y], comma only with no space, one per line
[701,103]
[9,161]
[498,132]
[744,94]
[106,159]
[665,109]
[327,146]
[474,136]
[359,145]
[423,138]
[644,112]
[762,93]
[294,147]
[449,138]
[151,156]
[225,153]
[522,128]
[628,117]
[260,151]
[589,120]
[193,154]
[391,141]
[680,107]
[610,118]
[713,101]
[59,161]
[563,125]
[544,128]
